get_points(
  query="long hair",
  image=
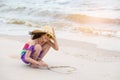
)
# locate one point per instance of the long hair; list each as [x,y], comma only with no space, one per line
[36,35]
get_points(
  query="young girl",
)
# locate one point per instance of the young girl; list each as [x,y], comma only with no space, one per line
[36,48]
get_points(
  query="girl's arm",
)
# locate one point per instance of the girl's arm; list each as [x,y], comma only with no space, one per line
[54,43]
[28,53]
[29,59]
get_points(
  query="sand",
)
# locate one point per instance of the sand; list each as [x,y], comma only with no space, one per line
[90,62]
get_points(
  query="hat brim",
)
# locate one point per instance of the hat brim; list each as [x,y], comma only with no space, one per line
[48,30]
[45,29]
[36,32]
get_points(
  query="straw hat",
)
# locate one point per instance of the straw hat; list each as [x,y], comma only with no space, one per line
[44,29]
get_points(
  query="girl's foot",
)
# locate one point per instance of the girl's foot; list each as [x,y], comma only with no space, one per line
[34,66]
[43,63]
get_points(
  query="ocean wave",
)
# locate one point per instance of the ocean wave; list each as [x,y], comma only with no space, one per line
[42,16]
[40,10]
[89,31]
[79,18]
[34,23]
[22,22]
[68,25]
[98,32]
[28,11]
[2,5]
[47,13]
[7,7]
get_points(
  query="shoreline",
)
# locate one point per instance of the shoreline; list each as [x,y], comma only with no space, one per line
[86,49]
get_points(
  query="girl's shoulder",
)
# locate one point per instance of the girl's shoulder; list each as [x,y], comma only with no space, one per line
[31,42]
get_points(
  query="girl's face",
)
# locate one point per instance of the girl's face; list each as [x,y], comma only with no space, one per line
[45,38]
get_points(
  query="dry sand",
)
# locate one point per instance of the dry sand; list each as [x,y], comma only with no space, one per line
[91,63]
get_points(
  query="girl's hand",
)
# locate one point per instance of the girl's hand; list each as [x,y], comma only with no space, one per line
[42,64]
[53,42]
[53,32]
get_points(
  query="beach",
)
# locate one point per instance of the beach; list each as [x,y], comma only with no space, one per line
[88,34]
[91,63]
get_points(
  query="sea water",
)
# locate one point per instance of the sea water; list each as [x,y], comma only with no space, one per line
[93,21]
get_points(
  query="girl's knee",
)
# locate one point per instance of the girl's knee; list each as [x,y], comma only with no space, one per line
[46,46]
[38,47]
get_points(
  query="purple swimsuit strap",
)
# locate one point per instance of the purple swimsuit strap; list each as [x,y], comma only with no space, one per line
[31,48]
[40,55]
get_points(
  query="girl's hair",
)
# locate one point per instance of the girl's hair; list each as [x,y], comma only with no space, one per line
[36,35]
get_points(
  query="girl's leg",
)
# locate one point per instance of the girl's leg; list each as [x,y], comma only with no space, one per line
[37,49]
[45,49]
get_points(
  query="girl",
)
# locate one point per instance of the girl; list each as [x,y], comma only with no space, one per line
[36,48]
